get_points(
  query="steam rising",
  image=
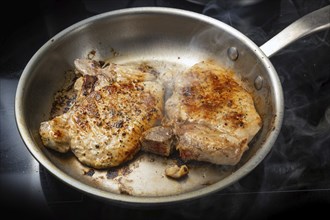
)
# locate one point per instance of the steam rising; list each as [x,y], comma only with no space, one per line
[301,153]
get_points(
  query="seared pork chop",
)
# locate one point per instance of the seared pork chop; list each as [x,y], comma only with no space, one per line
[212,114]
[112,110]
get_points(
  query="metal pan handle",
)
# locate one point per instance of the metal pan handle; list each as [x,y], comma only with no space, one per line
[308,24]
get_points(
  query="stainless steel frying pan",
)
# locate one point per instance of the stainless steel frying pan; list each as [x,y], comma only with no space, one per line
[171,40]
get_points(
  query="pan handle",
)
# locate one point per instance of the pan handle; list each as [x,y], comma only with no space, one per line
[308,24]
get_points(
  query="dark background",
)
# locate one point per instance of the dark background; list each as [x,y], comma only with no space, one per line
[293,180]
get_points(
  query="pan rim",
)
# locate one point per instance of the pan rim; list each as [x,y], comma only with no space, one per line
[238,174]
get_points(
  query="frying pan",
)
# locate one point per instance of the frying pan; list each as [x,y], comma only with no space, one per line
[170,40]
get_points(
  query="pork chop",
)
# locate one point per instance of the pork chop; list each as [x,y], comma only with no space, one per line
[112,110]
[212,114]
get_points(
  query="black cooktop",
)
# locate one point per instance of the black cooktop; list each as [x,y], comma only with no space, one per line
[294,179]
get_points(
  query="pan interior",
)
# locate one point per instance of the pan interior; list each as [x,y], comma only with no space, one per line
[170,41]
